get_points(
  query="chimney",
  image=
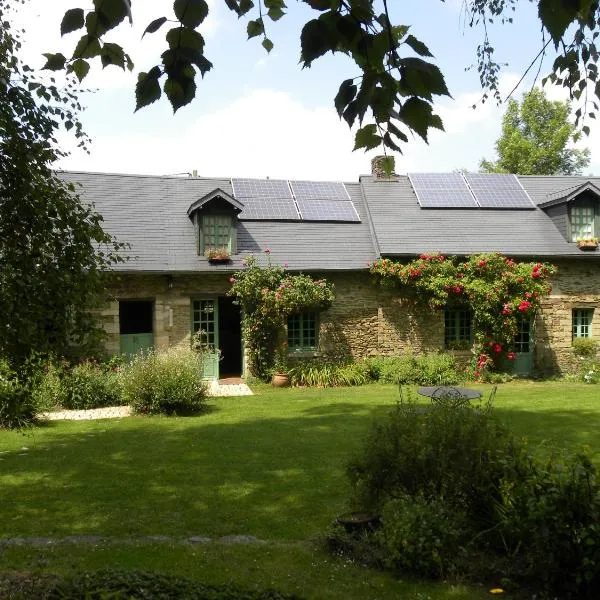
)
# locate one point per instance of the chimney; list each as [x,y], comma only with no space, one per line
[379,164]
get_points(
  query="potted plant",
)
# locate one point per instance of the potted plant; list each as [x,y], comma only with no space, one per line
[587,243]
[281,376]
[217,255]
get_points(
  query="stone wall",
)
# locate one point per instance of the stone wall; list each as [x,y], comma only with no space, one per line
[172,297]
[577,285]
[364,320]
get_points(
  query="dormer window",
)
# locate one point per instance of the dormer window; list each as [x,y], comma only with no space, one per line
[582,222]
[216,233]
[215,219]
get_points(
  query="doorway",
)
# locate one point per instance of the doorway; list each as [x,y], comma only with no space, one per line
[135,326]
[230,338]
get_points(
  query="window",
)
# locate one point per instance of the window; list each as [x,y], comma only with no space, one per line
[457,333]
[302,332]
[203,319]
[523,337]
[215,232]
[582,322]
[582,223]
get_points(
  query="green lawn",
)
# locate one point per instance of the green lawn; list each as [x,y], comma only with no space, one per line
[270,466]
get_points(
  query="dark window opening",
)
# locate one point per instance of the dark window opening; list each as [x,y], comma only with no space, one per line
[135,316]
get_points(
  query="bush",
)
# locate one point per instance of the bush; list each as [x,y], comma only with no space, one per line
[457,493]
[585,347]
[421,535]
[329,374]
[146,585]
[87,385]
[168,382]
[47,388]
[17,407]
[437,368]
[453,453]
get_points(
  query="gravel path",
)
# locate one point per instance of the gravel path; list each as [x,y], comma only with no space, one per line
[117,412]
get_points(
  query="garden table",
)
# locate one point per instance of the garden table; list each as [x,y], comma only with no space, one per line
[448,394]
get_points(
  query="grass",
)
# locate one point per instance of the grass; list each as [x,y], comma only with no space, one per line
[270,466]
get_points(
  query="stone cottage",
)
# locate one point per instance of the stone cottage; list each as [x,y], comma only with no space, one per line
[169,288]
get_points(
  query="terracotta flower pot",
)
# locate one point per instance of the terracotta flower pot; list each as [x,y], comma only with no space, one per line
[587,245]
[280,380]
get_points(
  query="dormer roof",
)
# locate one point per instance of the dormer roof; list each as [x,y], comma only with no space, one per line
[217,193]
[569,194]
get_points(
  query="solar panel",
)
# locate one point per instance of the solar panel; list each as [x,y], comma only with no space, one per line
[274,209]
[327,210]
[319,190]
[260,188]
[498,190]
[442,190]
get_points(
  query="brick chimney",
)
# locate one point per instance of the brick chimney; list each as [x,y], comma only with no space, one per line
[377,167]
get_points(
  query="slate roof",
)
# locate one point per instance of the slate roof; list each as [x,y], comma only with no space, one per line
[150,213]
[402,228]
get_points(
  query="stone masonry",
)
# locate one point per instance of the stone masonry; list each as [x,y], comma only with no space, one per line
[364,319]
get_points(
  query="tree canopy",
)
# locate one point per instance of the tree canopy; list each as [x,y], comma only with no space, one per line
[535,137]
[396,81]
[52,247]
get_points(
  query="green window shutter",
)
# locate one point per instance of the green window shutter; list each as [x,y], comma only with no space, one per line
[582,222]
[582,322]
[215,232]
[302,332]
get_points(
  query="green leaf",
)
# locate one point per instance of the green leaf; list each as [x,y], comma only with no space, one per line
[180,90]
[54,62]
[557,15]
[367,138]
[80,67]
[255,28]
[155,25]
[245,6]
[345,95]
[190,12]
[147,89]
[315,41]
[184,37]
[72,20]
[420,78]
[112,54]
[87,47]
[112,12]
[267,44]
[275,13]
[419,47]
[417,114]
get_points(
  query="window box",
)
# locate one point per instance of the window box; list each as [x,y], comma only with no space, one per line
[589,244]
[218,255]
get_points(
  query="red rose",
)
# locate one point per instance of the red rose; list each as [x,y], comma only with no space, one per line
[497,348]
[511,356]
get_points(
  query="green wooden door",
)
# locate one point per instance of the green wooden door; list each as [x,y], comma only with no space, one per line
[205,318]
[522,366]
[134,343]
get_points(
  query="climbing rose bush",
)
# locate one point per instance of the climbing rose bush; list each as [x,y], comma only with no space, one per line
[499,291]
[268,295]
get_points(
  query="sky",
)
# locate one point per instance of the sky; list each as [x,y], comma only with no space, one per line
[262,115]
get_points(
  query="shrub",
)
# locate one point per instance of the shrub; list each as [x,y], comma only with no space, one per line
[585,347]
[457,493]
[455,454]
[17,407]
[146,585]
[329,374]
[436,368]
[589,371]
[167,382]
[421,535]
[47,388]
[87,385]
